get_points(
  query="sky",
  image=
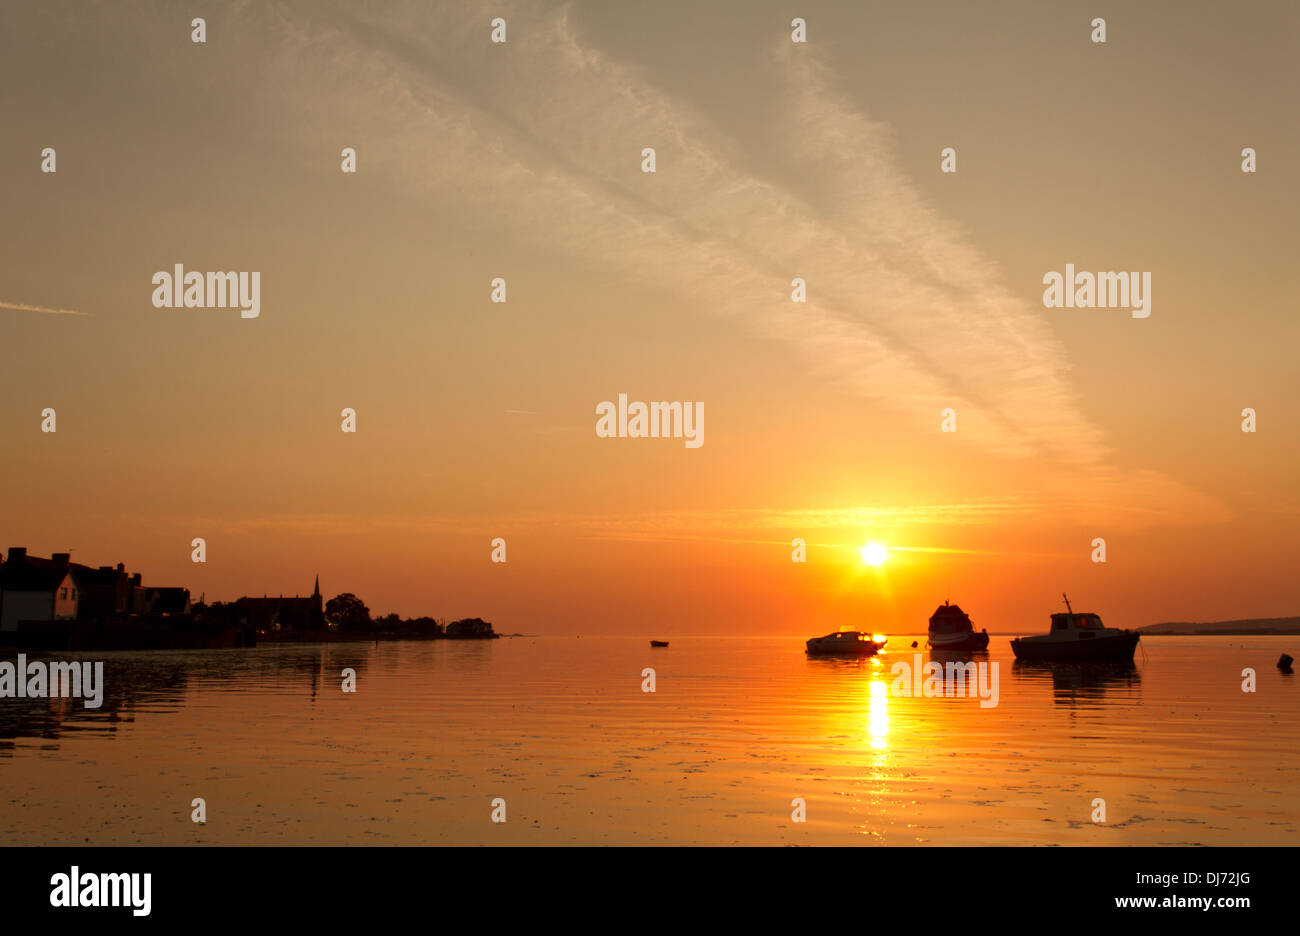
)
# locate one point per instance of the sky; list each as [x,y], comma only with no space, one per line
[774,160]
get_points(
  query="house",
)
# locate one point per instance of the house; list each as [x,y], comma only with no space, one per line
[166,601]
[103,593]
[35,589]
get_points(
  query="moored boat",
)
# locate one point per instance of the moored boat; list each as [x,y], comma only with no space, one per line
[951,629]
[845,643]
[658,643]
[1078,637]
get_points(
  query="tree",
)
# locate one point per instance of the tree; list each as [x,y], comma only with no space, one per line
[347,612]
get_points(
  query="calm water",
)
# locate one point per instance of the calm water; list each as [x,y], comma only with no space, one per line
[738,728]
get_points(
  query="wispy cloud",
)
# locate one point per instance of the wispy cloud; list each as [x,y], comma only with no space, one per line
[547,140]
[910,525]
[542,137]
[44,310]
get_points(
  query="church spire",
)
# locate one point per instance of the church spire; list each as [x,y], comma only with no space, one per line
[315,593]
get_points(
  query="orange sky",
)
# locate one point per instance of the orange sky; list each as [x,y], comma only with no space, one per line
[477,420]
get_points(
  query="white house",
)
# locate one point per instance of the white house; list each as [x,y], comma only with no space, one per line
[33,589]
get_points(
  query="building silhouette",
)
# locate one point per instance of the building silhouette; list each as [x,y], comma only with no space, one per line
[56,589]
[268,614]
[35,589]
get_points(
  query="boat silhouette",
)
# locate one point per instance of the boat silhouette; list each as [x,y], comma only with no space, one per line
[844,642]
[951,629]
[1078,637]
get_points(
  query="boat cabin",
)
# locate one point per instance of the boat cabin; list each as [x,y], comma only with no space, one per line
[950,619]
[1087,621]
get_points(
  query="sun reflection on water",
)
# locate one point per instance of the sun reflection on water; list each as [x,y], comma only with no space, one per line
[878,715]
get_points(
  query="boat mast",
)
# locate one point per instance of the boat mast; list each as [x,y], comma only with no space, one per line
[1067,602]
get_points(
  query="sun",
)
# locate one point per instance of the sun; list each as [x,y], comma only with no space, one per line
[874,554]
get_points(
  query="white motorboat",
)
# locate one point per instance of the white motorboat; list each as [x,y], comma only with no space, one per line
[846,642]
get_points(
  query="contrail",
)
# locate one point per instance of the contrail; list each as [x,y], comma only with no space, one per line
[23,307]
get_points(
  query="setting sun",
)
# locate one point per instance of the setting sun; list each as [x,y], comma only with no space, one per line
[874,554]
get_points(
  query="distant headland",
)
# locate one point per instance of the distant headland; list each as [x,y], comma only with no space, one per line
[1285,625]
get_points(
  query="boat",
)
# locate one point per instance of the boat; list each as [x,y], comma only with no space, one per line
[658,643]
[951,629]
[845,642]
[1078,637]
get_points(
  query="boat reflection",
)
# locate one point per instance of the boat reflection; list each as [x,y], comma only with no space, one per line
[958,656]
[1081,683]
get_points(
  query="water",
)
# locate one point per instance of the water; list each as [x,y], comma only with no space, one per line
[737,729]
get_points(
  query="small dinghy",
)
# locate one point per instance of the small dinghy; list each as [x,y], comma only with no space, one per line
[658,643]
